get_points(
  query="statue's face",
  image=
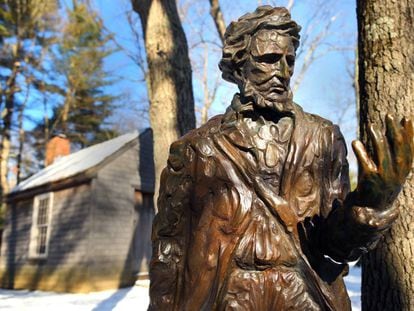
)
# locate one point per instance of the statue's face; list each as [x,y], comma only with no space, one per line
[268,70]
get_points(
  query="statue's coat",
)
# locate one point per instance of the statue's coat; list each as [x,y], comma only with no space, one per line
[209,211]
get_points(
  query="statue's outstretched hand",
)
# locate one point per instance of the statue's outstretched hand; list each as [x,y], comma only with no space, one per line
[380,179]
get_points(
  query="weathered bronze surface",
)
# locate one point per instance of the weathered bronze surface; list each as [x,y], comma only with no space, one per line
[254,208]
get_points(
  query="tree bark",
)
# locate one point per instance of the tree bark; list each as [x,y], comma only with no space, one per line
[217,15]
[386,81]
[169,76]
[6,130]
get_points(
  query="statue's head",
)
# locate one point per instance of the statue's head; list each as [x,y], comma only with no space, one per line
[259,55]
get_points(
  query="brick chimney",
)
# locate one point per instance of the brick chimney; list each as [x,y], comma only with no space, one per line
[57,147]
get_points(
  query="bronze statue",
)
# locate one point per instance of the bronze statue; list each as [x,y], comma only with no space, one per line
[255,211]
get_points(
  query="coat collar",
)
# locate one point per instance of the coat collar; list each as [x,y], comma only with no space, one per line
[236,130]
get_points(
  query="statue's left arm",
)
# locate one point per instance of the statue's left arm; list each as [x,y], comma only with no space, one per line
[170,228]
[357,221]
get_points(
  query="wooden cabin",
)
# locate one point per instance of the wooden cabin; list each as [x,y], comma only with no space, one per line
[83,223]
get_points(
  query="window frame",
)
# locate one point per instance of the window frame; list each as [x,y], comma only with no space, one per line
[34,243]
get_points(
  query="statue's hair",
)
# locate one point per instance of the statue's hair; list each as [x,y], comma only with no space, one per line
[238,36]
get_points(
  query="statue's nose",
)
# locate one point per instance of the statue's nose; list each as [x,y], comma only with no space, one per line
[283,68]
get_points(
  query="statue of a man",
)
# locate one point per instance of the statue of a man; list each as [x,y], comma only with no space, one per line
[255,211]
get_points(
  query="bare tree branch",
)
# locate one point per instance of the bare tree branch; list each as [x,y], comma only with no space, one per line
[202,41]
[209,96]
[310,55]
[21,133]
[137,55]
[290,4]
[218,18]
[206,101]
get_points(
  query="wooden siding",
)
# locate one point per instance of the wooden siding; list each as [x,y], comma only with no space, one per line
[16,234]
[100,237]
[117,220]
[68,244]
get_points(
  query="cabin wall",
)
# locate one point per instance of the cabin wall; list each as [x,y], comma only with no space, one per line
[66,266]
[121,228]
[100,231]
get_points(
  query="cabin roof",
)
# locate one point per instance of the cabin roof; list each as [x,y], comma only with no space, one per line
[76,163]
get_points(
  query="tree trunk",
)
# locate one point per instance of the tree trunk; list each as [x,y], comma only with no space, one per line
[386,72]
[169,76]
[20,119]
[217,15]
[6,131]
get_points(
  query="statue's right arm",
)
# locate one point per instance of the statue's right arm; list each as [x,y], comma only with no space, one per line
[170,228]
[356,225]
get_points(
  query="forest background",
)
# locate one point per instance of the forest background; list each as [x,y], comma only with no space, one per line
[78,68]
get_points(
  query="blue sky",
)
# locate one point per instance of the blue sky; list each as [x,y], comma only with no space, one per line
[326,89]
[326,83]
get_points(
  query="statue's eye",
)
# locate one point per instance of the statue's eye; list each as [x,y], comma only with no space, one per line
[268,58]
[290,60]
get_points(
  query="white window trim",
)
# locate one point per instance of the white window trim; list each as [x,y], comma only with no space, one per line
[33,244]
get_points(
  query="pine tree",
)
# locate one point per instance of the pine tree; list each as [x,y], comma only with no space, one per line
[26,34]
[87,105]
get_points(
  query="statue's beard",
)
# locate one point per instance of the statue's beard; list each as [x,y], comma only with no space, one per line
[267,96]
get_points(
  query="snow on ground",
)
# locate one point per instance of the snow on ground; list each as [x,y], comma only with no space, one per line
[353,285]
[130,298]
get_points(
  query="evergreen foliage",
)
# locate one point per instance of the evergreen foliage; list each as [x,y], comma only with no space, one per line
[51,56]
[86,108]
[27,29]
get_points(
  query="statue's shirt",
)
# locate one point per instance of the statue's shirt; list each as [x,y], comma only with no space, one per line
[264,244]
[270,145]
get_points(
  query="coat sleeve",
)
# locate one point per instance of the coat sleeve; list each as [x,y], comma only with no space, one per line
[170,230]
[344,231]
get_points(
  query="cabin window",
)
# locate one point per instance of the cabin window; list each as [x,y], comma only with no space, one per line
[40,232]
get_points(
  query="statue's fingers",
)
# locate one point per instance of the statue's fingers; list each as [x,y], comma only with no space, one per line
[364,161]
[408,145]
[395,137]
[381,151]
[408,126]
